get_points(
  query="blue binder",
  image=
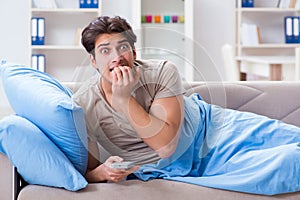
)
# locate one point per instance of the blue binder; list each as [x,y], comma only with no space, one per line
[37,31]
[88,3]
[291,29]
[38,62]
[94,4]
[288,29]
[82,3]
[296,29]
[34,31]
[41,31]
[247,3]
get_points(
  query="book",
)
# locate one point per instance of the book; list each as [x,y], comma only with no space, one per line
[284,4]
[44,3]
[250,34]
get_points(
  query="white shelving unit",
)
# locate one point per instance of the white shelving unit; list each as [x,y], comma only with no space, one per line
[62,48]
[270,21]
[269,18]
[172,41]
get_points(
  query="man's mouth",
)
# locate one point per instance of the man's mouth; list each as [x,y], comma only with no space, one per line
[117,65]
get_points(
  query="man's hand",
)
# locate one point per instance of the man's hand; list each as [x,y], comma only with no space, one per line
[115,175]
[124,81]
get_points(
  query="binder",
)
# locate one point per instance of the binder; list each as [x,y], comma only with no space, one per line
[34,31]
[94,4]
[82,3]
[34,61]
[37,31]
[41,31]
[41,62]
[88,3]
[288,29]
[296,29]
[38,62]
[248,3]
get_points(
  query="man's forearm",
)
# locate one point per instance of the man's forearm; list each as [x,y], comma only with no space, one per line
[95,175]
[154,128]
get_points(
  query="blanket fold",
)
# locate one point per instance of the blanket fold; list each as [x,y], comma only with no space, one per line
[232,150]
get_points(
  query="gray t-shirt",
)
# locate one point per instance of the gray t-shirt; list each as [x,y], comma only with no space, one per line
[159,79]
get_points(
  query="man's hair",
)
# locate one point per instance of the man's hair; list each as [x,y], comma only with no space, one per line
[109,25]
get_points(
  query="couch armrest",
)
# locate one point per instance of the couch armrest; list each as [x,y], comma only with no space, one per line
[7,179]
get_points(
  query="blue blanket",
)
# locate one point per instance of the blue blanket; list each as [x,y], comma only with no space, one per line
[232,150]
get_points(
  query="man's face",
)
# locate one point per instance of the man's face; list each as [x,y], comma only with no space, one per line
[112,50]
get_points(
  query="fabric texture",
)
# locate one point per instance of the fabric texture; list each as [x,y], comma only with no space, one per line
[37,158]
[233,150]
[110,128]
[45,102]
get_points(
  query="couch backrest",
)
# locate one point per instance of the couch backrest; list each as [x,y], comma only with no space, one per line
[275,99]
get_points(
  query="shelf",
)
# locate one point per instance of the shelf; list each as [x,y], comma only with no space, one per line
[159,52]
[254,10]
[66,10]
[270,23]
[57,47]
[283,45]
[62,30]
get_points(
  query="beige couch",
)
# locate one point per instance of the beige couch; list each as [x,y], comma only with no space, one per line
[278,100]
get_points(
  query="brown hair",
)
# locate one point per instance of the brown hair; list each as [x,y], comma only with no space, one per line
[105,24]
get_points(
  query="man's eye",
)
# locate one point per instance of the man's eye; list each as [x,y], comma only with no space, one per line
[104,51]
[124,47]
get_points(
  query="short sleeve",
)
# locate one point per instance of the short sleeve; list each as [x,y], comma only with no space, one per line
[169,81]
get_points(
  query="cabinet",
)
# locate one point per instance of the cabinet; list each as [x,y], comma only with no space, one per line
[268,17]
[270,21]
[62,48]
[165,31]
[172,41]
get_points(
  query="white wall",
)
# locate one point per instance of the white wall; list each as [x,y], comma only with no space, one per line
[14,31]
[214,26]
[14,39]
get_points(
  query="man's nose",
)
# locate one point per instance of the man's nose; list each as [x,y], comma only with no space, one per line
[116,56]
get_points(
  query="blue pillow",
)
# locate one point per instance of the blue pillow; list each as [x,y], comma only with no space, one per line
[37,158]
[48,104]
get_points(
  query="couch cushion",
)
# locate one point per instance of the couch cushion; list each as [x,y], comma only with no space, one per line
[137,190]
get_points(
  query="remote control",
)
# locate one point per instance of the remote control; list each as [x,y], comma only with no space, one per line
[122,165]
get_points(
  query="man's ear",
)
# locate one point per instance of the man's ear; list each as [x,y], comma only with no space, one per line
[134,53]
[93,61]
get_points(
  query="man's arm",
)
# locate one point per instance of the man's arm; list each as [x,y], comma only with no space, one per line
[160,127]
[97,172]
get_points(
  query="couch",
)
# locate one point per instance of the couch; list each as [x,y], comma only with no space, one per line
[278,100]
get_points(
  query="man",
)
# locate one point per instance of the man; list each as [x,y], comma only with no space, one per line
[133,108]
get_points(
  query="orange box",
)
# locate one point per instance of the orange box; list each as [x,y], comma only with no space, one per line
[157,18]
